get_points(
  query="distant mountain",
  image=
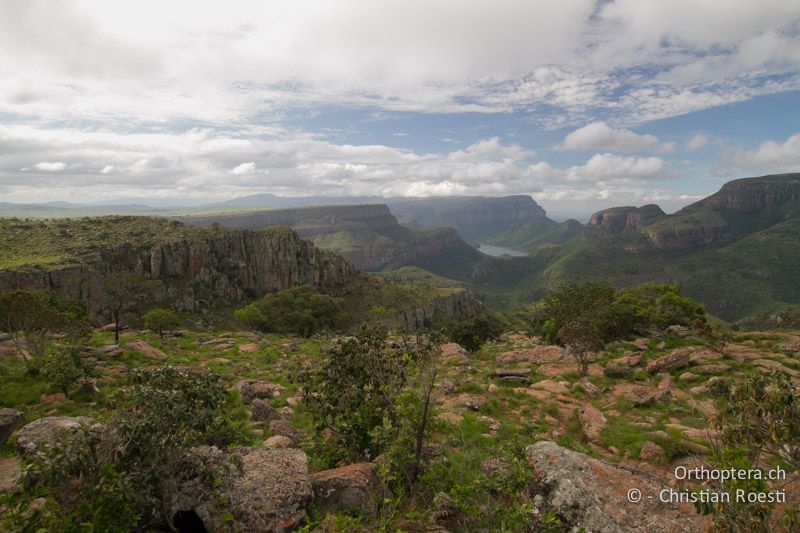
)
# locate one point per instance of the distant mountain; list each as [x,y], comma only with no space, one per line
[367,235]
[474,217]
[737,251]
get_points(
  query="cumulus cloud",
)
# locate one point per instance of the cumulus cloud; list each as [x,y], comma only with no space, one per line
[771,156]
[189,165]
[244,168]
[48,166]
[697,141]
[601,136]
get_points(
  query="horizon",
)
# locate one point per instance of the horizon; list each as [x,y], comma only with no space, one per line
[584,106]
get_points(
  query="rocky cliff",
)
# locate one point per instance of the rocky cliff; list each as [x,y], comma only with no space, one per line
[739,208]
[458,304]
[229,266]
[367,235]
[626,218]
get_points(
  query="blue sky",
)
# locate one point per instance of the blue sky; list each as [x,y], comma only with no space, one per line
[583,104]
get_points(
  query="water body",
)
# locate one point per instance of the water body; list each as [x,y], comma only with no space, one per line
[498,251]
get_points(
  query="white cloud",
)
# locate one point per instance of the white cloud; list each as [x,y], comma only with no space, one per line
[771,156]
[604,167]
[48,166]
[601,136]
[244,168]
[697,141]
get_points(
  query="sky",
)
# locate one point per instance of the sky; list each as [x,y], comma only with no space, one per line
[582,104]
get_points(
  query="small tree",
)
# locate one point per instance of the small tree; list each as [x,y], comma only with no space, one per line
[123,290]
[582,338]
[32,316]
[160,319]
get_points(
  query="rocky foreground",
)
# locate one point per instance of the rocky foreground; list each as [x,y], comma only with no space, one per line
[643,410]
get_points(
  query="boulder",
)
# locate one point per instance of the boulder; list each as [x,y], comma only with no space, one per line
[592,494]
[548,385]
[652,453]
[263,411]
[282,428]
[537,355]
[677,359]
[588,386]
[592,421]
[250,389]
[249,348]
[279,441]
[772,366]
[351,487]
[272,492]
[147,350]
[453,352]
[45,431]
[622,366]
[711,369]
[9,421]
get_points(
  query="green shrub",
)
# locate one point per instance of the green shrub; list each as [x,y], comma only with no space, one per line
[301,310]
[473,332]
[64,368]
[123,473]
[160,320]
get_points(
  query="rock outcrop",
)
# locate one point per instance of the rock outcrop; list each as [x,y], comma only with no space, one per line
[351,487]
[227,266]
[46,431]
[457,304]
[592,494]
[626,218]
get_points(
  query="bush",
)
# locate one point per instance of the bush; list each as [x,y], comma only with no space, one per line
[125,472]
[616,314]
[473,332]
[368,397]
[301,310]
[65,367]
[159,320]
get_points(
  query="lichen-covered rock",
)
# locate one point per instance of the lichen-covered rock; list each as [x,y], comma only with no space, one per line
[652,452]
[272,493]
[592,421]
[349,487]
[9,421]
[10,472]
[46,431]
[592,494]
[676,360]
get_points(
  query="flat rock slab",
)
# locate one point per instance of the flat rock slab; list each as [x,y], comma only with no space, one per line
[592,494]
[592,421]
[146,349]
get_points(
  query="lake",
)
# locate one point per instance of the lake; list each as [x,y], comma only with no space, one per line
[497,251]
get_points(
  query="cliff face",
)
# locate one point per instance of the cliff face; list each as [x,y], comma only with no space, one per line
[474,217]
[739,208]
[626,218]
[191,274]
[367,235]
[754,194]
[459,304]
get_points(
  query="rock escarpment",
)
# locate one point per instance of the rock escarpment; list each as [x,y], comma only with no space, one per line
[626,218]
[367,235]
[230,266]
[739,208]
[458,304]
